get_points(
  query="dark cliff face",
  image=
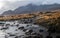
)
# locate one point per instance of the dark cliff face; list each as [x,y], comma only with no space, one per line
[30,8]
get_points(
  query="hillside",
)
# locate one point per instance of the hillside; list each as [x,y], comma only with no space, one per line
[52,19]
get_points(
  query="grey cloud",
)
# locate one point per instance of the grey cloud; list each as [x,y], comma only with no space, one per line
[9,4]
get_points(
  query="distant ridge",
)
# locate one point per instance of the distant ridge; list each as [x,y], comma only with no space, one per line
[31,8]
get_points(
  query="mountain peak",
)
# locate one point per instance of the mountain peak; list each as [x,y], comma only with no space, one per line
[30,8]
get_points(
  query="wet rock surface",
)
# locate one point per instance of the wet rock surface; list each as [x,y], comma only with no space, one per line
[22,31]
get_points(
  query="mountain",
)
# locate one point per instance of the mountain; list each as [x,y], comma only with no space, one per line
[9,12]
[31,8]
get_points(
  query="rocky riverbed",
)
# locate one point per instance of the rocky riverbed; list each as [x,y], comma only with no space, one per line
[21,31]
[18,30]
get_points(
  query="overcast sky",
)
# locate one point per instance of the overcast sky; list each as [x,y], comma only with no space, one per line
[13,4]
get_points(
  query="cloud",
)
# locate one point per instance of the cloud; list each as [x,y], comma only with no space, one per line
[13,4]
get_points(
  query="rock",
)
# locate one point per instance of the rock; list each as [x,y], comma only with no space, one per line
[28,32]
[33,33]
[28,37]
[21,36]
[6,36]
[27,25]
[41,30]
[24,30]
[35,36]
[21,27]
[11,34]
[17,25]
[16,37]
[4,28]
[16,30]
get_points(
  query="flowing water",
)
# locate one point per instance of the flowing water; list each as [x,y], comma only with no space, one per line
[13,30]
